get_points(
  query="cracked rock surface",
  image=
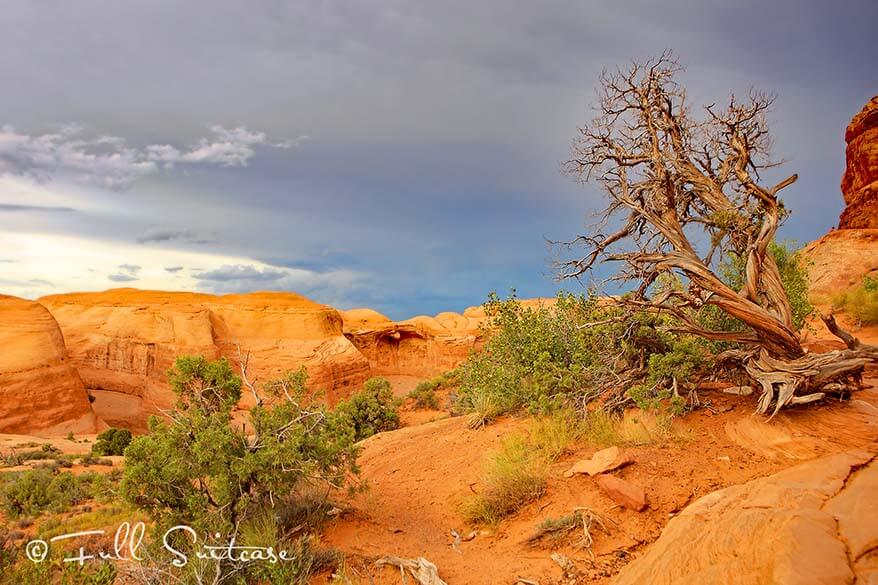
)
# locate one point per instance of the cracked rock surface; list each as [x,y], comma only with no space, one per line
[816,523]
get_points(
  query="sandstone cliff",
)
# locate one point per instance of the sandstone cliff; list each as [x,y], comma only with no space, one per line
[841,258]
[125,339]
[40,390]
[860,181]
[421,346]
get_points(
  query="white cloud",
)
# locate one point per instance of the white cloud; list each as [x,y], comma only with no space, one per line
[46,264]
[107,162]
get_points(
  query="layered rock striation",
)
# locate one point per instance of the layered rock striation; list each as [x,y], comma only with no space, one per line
[125,340]
[40,389]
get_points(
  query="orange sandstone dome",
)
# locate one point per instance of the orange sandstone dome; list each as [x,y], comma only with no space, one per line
[40,390]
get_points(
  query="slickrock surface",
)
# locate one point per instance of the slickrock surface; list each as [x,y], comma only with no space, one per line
[839,260]
[40,390]
[812,523]
[860,181]
[125,339]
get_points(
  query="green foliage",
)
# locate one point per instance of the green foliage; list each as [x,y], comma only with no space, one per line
[371,410]
[197,469]
[542,358]
[793,275]
[31,492]
[861,302]
[112,442]
[515,476]
[424,394]
[55,570]
[553,434]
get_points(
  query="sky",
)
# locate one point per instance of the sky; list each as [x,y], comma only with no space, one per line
[401,155]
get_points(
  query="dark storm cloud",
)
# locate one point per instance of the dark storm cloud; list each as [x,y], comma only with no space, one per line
[13,207]
[230,273]
[437,128]
[159,235]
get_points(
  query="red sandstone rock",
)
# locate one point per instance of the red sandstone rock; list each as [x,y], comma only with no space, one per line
[623,492]
[813,523]
[604,460]
[860,181]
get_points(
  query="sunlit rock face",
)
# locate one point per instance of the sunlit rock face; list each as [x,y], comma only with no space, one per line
[840,259]
[421,346]
[125,340]
[40,390]
[860,181]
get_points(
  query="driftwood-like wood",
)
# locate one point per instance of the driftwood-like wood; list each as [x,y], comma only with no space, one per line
[421,570]
[683,193]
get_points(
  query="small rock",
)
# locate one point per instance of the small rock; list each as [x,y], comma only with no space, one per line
[623,492]
[601,462]
[739,390]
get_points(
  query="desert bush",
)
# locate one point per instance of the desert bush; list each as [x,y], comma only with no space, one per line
[548,357]
[577,349]
[308,558]
[34,491]
[424,394]
[515,475]
[112,442]
[371,410]
[195,468]
[861,302]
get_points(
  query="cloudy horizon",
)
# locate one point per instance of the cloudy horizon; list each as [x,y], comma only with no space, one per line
[403,156]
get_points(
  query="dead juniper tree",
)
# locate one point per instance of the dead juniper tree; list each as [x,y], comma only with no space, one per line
[683,192]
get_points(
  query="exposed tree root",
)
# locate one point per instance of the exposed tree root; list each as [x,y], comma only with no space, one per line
[808,378]
[421,570]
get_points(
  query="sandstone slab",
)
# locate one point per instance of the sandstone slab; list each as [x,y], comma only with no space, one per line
[807,524]
[604,460]
[623,492]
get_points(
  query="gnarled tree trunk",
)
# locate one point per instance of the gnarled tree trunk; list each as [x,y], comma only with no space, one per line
[668,176]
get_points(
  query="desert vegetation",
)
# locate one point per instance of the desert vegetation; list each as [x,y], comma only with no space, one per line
[861,302]
[585,351]
[684,193]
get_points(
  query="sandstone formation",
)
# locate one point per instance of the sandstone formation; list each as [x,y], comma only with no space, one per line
[808,524]
[860,181]
[125,339]
[422,346]
[840,259]
[601,462]
[40,390]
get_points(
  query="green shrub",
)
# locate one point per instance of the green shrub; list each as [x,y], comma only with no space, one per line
[793,275]
[424,394]
[34,491]
[371,410]
[196,468]
[112,442]
[545,358]
[861,302]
